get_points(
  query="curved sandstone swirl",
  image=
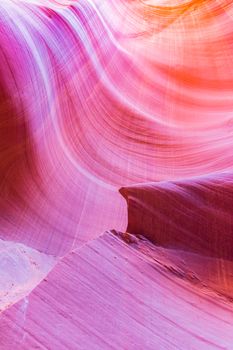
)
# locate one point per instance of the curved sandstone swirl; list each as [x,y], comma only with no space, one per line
[97,95]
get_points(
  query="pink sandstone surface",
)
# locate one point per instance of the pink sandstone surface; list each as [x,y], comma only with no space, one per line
[102,96]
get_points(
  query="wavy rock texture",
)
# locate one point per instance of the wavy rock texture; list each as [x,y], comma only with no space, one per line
[96,96]
[109,295]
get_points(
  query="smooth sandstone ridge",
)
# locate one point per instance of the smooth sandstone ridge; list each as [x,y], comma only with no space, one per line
[119,292]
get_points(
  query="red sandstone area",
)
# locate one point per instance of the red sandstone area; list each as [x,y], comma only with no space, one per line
[116,175]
